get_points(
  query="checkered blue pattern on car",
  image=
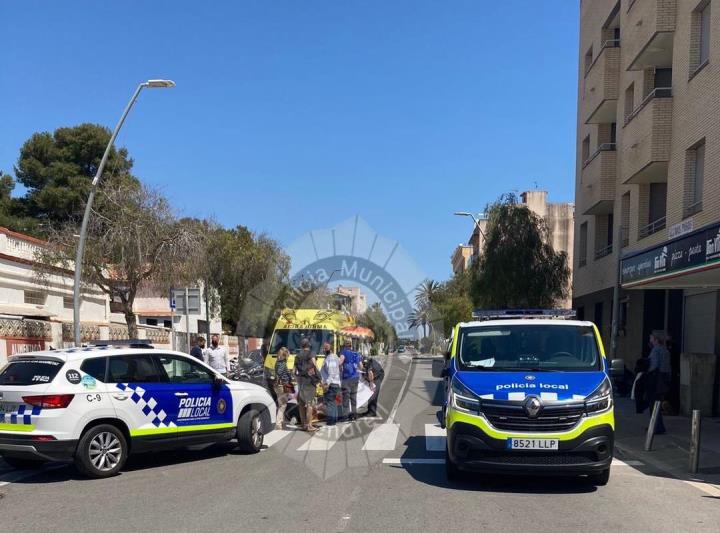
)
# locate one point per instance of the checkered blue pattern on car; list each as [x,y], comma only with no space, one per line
[23,415]
[147,404]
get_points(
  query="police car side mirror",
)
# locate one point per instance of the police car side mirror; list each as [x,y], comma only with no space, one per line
[217,383]
[438,368]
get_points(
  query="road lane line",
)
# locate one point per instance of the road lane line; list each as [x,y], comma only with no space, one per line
[630,462]
[394,410]
[418,461]
[434,438]
[275,436]
[382,438]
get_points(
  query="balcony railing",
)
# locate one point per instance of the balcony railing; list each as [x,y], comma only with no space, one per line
[691,209]
[658,92]
[653,227]
[604,147]
[604,251]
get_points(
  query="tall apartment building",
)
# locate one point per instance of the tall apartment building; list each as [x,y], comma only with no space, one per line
[558,216]
[648,182]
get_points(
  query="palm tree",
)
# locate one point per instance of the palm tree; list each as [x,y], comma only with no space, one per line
[427,293]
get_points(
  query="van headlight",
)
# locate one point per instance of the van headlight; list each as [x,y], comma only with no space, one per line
[600,400]
[462,398]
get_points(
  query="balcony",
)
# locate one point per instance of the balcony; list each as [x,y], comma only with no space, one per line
[599,175]
[624,236]
[646,139]
[652,29]
[651,228]
[601,85]
[603,252]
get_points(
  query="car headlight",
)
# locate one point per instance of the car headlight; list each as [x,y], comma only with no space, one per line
[463,398]
[601,399]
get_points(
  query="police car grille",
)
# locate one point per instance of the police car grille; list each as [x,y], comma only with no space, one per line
[551,418]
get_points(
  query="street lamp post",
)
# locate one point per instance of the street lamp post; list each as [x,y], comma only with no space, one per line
[91,197]
[475,220]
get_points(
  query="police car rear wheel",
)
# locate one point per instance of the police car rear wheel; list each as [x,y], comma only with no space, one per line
[250,432]
[101,452]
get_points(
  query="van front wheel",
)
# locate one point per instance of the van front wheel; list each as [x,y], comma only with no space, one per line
[601,479]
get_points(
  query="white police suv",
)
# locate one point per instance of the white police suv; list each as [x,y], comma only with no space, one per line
[96,405]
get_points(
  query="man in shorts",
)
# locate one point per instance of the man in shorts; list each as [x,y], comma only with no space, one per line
[307,380]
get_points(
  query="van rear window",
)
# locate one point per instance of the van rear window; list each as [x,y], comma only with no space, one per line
[29,372]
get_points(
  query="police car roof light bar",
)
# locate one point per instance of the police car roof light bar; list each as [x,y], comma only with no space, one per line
[495,314]
[129,343]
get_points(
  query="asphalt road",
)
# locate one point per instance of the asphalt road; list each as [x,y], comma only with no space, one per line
[380,475]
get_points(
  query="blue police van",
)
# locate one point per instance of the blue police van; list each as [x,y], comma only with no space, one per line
[527,392]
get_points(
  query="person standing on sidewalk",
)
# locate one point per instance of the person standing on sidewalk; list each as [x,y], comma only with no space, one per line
[331,382]
[283,385]
[217,356]
[657,382]
[375,374]
[350,380]
[307,381]
[198,351]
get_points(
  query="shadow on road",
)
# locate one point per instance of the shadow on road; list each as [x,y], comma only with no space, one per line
[434,474]
[58,472]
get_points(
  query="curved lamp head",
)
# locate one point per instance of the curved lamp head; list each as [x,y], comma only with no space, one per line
[462,214]
[159,83]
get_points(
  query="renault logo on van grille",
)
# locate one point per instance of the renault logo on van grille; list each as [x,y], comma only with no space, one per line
[532,406]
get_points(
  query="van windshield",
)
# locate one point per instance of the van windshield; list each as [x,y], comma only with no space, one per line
[291,339]
[531,347]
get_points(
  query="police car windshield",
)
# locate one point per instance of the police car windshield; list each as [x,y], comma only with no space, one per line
[536,347]
[291,339]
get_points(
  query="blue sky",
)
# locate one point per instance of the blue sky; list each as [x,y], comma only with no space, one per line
[292,116]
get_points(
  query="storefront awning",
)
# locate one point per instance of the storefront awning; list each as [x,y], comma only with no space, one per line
[689,261]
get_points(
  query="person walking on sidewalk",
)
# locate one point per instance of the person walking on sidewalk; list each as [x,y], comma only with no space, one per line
[307,381]
[217,356]
[331,382]
[283,385]
[350,380]
[657,382]
[375,374]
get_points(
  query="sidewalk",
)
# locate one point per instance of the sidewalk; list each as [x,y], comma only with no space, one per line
[670,452]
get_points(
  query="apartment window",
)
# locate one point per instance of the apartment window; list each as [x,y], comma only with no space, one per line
[694,179]
[705,34]
[588,59]
[167,323]
[613,133]
[663,80]
[629,100]
[68,302]
[603,235]
[582,260]
[700,37]
[586,149]
[625,219]
[657,208]
[151,321]
[34,297]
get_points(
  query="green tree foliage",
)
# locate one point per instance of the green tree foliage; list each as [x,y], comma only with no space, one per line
[375,319]
[57,170]
[518,267]
[12,210]
[452,303]
[136,241]
[249,274]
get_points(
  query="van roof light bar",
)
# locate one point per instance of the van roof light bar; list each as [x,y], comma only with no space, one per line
[497,314]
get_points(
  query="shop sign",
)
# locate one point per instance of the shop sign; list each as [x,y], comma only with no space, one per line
[20,345]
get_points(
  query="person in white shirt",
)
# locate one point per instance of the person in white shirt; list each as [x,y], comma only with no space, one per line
[331,382]
[217,356]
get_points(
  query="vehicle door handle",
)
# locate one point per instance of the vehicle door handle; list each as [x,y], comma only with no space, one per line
[120,396]
[183,394]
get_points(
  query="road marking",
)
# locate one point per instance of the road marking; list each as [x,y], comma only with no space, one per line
[618,462]
[394,410]
[707,488]
[382,438]
[434,438]
[275,436]
[418,461]
[324,439]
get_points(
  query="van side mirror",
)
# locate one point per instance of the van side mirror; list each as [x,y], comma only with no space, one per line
[439,369]
[617,368]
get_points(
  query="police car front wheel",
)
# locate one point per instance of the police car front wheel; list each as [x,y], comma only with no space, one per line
[250,432]
[101,452]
